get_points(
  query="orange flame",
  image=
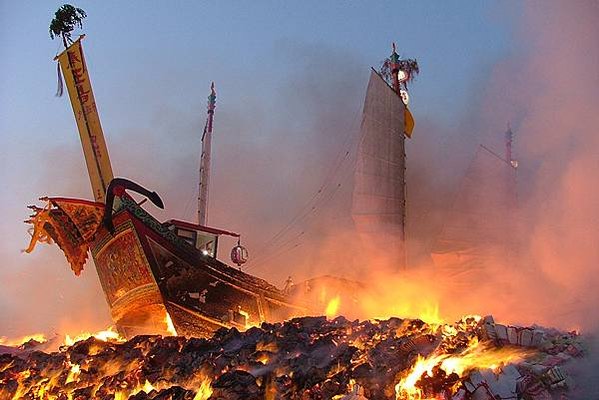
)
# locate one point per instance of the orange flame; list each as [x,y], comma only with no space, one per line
[477,355]
[38,337]
[108,335]
[204,391]
[333,307]
[170,328]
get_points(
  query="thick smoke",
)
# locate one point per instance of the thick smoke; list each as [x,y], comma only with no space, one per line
[548,94]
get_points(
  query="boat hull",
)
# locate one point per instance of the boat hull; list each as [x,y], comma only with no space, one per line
[146,272]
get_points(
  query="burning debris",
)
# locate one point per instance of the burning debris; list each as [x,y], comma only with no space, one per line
[305,358]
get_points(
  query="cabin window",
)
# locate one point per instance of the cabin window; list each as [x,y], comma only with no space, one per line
[207,243]
[188,236]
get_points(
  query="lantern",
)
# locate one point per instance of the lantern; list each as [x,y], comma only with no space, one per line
[402,76]
[239,254]
[405,97]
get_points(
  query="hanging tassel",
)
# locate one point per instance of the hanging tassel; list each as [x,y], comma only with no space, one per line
[60,88]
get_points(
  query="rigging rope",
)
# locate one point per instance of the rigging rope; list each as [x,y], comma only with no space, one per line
[321,197]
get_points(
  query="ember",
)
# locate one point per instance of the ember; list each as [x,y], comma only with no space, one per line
[309,357]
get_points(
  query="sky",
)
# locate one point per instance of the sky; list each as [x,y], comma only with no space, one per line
[290,80]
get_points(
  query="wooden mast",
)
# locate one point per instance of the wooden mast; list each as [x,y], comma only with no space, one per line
[397,88]
[205,160]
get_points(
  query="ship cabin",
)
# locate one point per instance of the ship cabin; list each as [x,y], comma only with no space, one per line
[203,238]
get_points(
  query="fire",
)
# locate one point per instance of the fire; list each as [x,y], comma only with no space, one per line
[477,355]
[170,328]
[333,307]
[38,337]
[73,373]
[430,315]
[399,358]
[108,335]
[147,387]
[204,391]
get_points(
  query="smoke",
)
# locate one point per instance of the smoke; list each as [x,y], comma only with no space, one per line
[548,95]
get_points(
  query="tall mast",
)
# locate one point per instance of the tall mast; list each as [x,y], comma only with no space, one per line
[397,88]
[205,160]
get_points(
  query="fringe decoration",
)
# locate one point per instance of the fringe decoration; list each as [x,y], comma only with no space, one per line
[60,87]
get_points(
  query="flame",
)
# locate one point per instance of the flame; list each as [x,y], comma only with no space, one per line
[73,373]
[170,328]
[263,358]
[478,355]
[38,337]
[204,391]
[430,315]
[108,335]
[147,387]
[333,307]
[246,315]
[248,322]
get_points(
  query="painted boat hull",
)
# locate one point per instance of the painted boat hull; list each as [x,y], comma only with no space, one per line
[146,271]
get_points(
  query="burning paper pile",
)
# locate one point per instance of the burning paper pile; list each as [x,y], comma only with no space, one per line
[306,358]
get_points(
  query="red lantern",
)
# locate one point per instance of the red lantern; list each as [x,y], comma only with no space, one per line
[239,254]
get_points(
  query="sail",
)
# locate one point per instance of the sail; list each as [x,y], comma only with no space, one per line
[378,208]
[480,225]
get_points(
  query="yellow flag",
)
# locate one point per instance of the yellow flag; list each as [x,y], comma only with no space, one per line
[409,122]
[74,70]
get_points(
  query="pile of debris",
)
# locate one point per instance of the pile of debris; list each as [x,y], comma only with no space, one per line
[306,358]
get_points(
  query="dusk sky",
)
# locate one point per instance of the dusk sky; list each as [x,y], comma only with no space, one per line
[290,80]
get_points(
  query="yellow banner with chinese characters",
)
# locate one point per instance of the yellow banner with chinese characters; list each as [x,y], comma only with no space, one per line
[74,70]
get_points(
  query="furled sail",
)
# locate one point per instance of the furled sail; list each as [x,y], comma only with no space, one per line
[74,70]
[379,199]
[480,225]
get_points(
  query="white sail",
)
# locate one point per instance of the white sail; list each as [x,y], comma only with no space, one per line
[379,200]
[480,225]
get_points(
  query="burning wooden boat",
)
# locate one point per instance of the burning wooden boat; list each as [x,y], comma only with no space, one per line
[151,272]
